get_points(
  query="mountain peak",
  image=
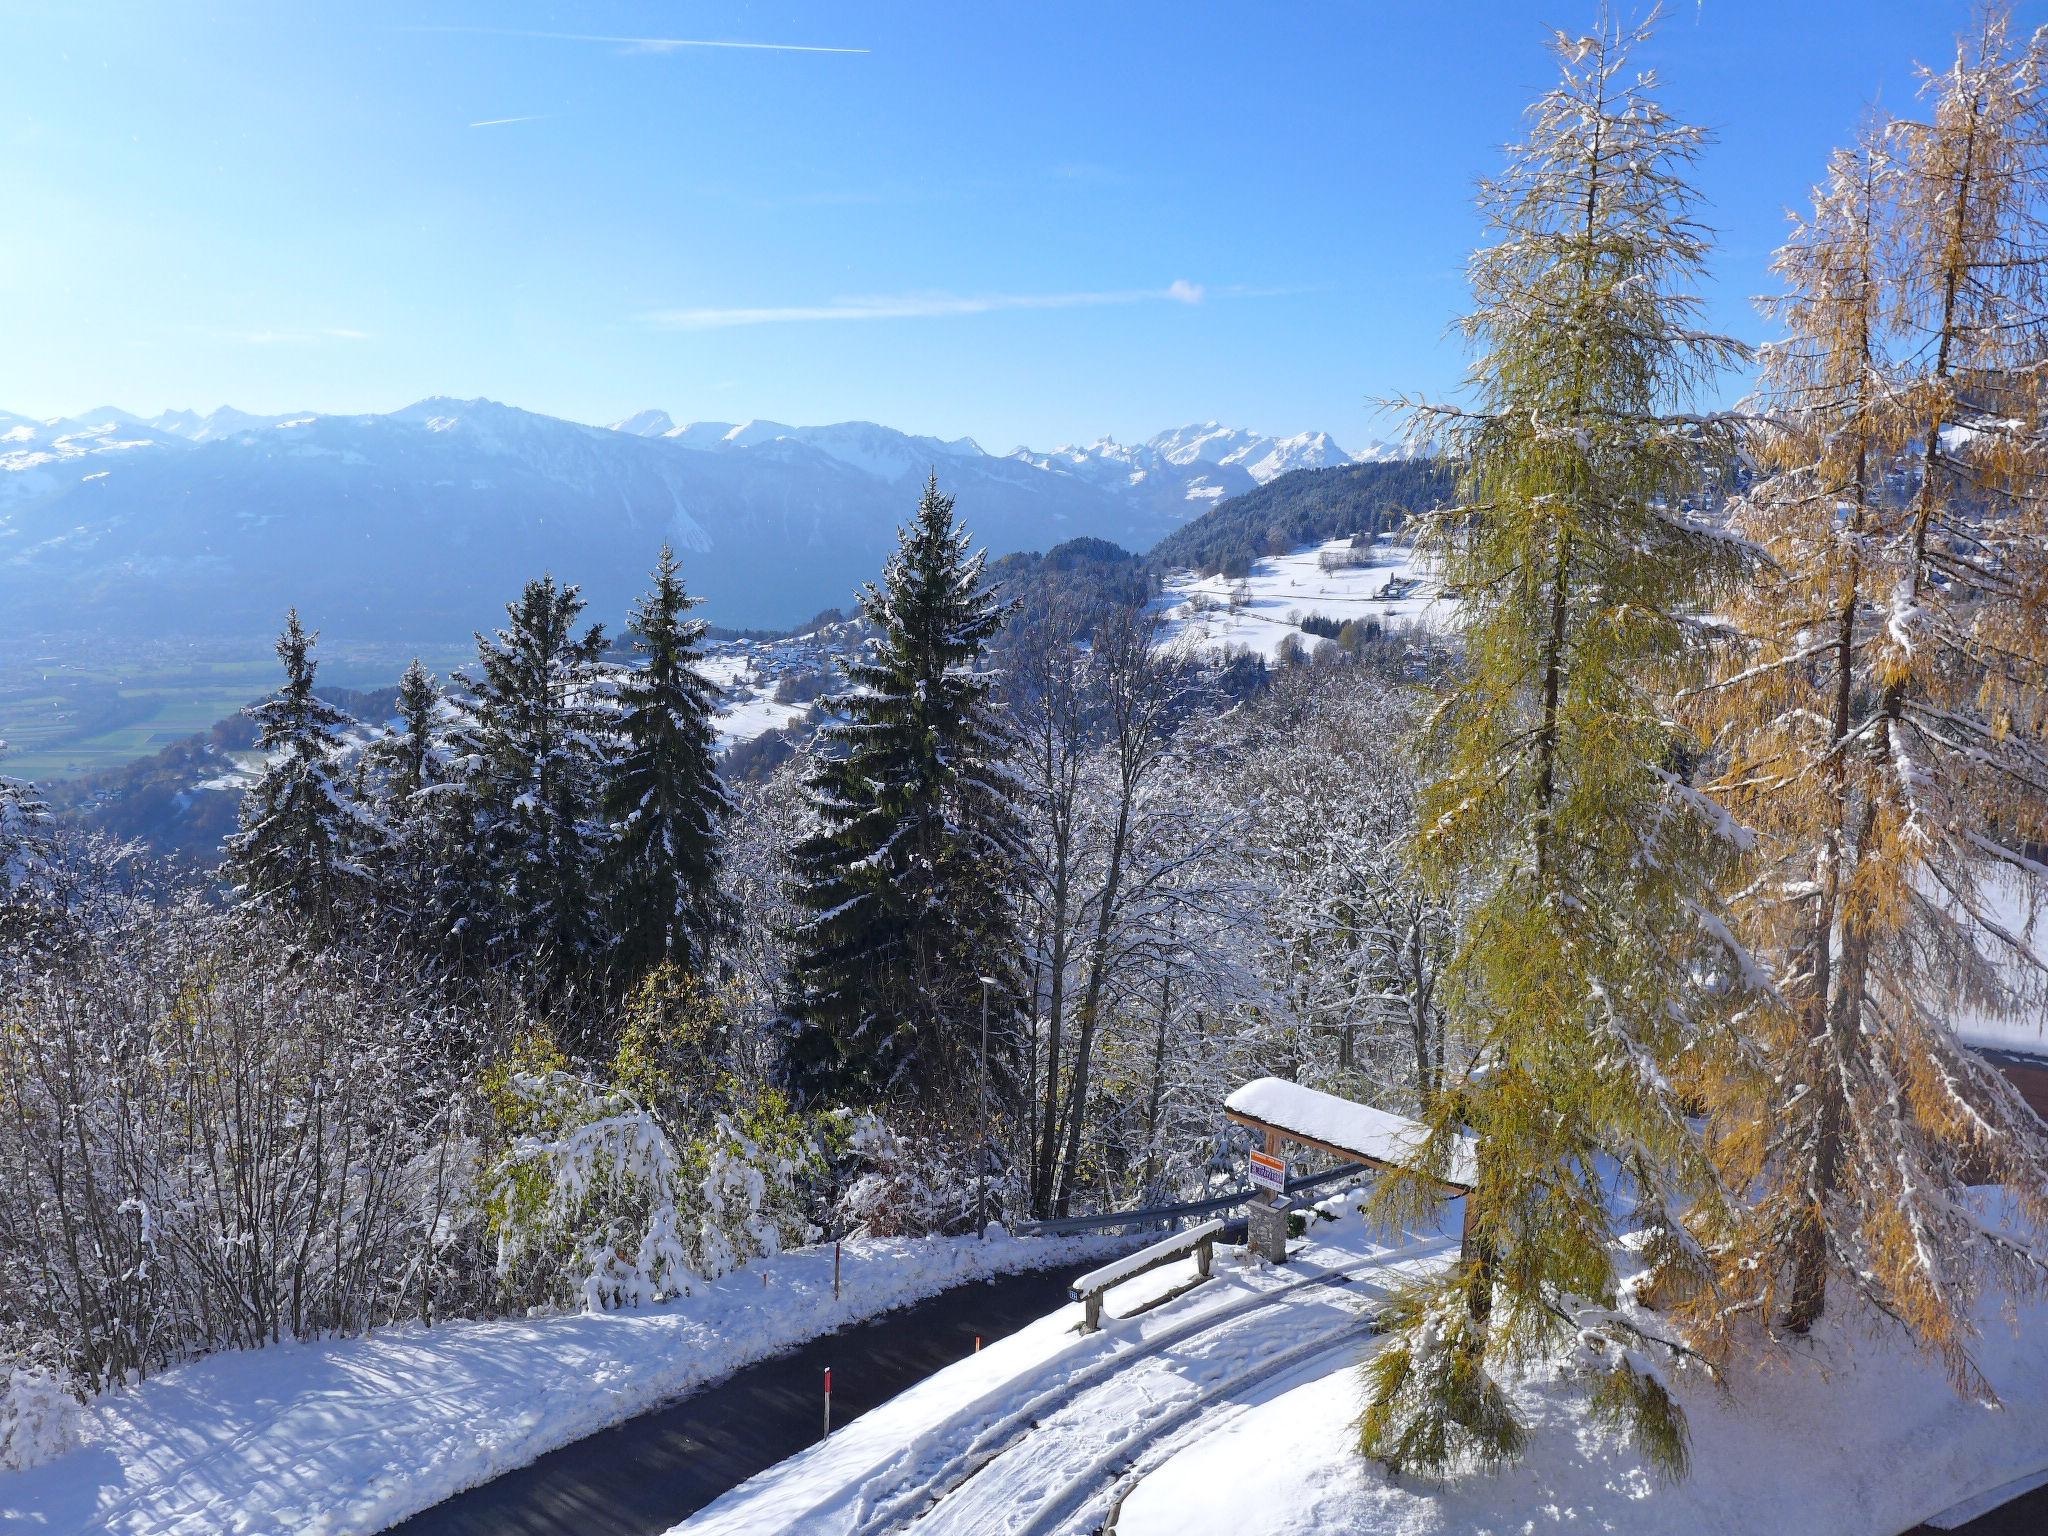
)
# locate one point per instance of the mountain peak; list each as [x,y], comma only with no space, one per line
[648,423]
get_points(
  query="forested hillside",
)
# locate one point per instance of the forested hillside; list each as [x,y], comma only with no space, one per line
[1309,506]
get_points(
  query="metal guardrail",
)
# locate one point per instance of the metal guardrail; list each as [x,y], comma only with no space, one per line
[1063,1226]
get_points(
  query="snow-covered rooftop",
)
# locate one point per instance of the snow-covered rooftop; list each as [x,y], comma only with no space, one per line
[1358,1128]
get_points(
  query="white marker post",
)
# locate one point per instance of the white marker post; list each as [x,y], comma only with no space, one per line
[828,1404]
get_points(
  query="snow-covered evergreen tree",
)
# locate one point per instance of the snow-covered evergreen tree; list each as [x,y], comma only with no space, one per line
[664,797]
[540,702]
[305,842]
[909,886]
[24,833]
[431,879]
[412,752]
[1585,973]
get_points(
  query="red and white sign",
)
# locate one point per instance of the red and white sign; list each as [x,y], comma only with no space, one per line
[1269,1172]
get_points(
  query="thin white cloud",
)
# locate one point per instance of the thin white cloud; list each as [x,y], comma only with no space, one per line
[640,44]
[915,306]
[500,122]
[301,337]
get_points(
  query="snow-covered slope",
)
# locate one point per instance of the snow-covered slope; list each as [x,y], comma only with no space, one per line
[1849,1434]
[1231,1408]
[1383,583]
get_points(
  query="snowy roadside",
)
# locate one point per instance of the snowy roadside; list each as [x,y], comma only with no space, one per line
[1851,1436]
[985,1445]
[352,1435]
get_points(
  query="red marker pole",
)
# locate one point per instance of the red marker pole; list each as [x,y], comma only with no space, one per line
[828,1403]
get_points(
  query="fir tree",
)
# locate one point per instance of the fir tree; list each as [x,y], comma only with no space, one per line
[304,838]
[541,726]
[1581,972]
[910,883]
[24,832]
[411,751]
[1884,718]
[412,773]
[665,800]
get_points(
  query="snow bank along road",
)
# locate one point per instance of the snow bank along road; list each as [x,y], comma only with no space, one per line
[346,1436]
[1044,1431]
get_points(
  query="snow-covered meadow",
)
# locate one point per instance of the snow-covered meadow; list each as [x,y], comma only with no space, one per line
[747,706]
[1260,611]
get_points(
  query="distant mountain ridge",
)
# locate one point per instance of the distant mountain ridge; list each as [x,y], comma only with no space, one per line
[418,524]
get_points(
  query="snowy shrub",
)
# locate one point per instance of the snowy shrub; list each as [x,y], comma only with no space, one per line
[210,1139]
[38,1418]
[914,1184]
[599,1201]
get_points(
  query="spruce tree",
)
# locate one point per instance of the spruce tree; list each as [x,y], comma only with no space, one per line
[666,803]
[411,777]
[305,842]
[911,880]
[1584,971]
[1885,720]
[24,832]
[412,752]
[542,745]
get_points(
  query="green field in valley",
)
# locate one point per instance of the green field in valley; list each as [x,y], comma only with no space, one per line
[61,717]
[66,719]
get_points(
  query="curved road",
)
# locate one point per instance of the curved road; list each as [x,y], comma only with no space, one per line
[648,1473]
[645,1475]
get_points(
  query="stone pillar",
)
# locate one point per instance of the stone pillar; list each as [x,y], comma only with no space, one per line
[1266,1231]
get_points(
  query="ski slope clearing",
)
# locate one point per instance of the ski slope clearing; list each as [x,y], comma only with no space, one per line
[1034,1433]
[1214,614]
[352,1435]
[1850,1436]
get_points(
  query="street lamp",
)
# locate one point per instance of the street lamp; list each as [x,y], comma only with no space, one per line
[981,1100]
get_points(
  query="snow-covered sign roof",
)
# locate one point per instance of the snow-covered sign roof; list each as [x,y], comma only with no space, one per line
[1309,1114]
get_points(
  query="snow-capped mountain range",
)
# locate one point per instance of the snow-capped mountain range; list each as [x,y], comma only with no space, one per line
[420,523]
[1199,464]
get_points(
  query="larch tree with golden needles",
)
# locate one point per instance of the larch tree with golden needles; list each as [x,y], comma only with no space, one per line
[1882,720]
[1594,969]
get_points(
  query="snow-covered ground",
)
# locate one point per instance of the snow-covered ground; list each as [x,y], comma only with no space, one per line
[1853,1436]
[1229,1409]
[1033,1433]
[351,1435]
[1258,612]
[747,707]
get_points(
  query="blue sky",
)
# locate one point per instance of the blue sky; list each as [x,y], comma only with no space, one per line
[1028,223]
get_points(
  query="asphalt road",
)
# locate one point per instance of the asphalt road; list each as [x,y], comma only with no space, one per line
[645,1475]
[2026,1515]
